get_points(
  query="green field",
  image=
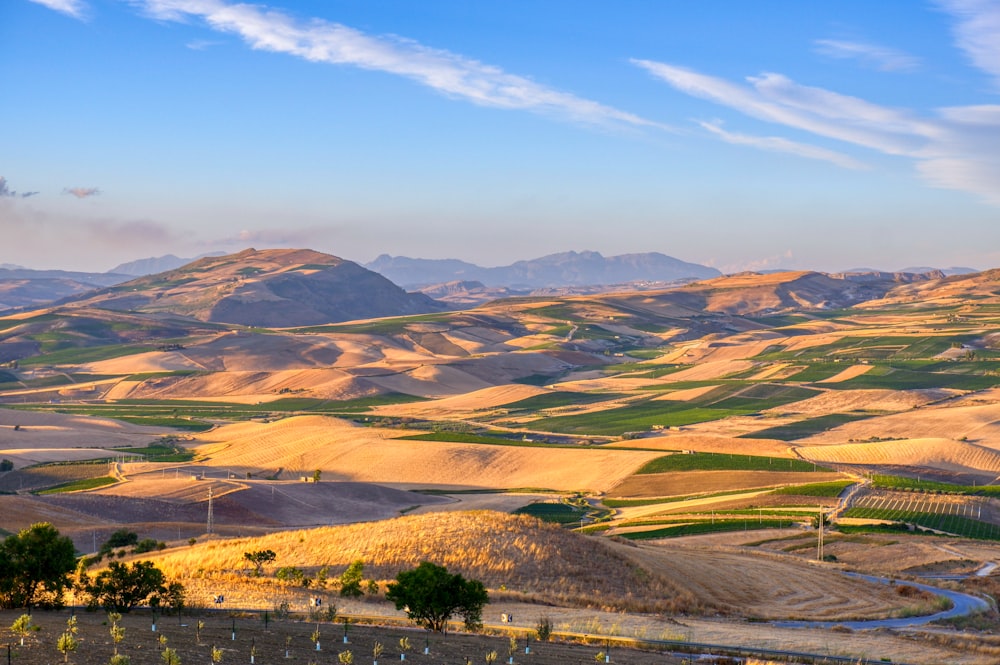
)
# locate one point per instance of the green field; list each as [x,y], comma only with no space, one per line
[559,398]
[724,462]
[465,437]
[78,485]
[915,485]
[560,513]
[961,526]
[736,399]
[716,526]
[830,489]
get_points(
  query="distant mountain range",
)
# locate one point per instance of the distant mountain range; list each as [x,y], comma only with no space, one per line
[552,271]
[458,283]
[21,287]
[153,265]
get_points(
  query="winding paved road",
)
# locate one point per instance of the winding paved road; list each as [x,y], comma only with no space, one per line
[962,604]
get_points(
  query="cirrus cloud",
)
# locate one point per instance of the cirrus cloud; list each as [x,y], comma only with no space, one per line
[953,147]
[448,73]
[74,8]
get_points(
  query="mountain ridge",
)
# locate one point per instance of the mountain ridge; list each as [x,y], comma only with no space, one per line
[553,270]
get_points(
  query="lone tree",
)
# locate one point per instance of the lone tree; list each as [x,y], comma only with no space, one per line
[431,595]
[258,558]
[34,567]
[350,580]
[122,587]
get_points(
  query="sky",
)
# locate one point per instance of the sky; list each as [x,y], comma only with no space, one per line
[796,134]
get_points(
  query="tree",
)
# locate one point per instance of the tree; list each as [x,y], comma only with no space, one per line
[258,558]
[34,567]
[22,626]
[117,630]
[350,580]
[431,595]
[67,642]
[122,587]
[118,539]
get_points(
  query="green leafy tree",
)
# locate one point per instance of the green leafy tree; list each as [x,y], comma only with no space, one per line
[350,580]
[122,587]
[431,595]
[169,657]
[22,626]
[119,659]
[258,558]
[118,539]
[67,644]
[543,629]
[35,567]
[116,629]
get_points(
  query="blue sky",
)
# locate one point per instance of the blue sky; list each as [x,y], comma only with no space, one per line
[743,135]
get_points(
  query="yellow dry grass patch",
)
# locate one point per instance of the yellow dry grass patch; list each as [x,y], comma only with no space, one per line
[847,373]
[43,430]
[547,564]
[520,553]
[477,400]
[707,371]
[348,452]
[945,454]
[844,401]
[430,381]
[767,586]
[686,394]
[980,423]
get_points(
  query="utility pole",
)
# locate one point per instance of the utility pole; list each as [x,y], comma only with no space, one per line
[819,540]
[211,517]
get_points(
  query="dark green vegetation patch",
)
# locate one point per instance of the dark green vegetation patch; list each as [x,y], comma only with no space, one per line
[724,462]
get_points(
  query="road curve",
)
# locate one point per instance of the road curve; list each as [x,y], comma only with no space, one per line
[962,604]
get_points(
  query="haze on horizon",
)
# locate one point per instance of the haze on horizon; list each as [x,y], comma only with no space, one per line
[824,136]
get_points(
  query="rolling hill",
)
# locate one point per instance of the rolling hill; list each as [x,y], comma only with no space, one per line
[279,288]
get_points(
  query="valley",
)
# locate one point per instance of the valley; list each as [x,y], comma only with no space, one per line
[660,456]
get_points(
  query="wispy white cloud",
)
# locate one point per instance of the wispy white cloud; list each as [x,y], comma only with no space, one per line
[201,44]
[955,148]
[977,32]
[448,73]
[870,55]
[779,144]
[82,192]
[75,8]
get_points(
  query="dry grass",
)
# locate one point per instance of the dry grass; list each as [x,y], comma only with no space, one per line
[519,554]
[945,454]
[347,452]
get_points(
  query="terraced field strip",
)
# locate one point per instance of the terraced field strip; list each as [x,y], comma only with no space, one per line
[959,518]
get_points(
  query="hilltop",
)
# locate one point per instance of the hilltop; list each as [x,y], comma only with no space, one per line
[264,288]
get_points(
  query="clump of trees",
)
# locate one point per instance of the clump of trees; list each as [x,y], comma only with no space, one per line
[122,587]
[35,567]
[431,595]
